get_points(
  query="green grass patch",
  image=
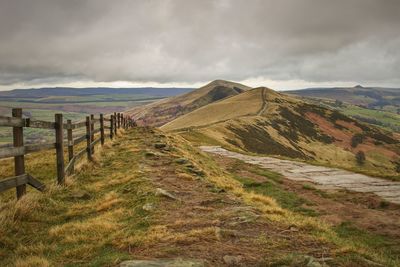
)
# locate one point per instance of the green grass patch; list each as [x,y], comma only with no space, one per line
[286,199]
[388,246]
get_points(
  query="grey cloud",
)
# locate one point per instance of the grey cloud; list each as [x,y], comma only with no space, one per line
[191,41]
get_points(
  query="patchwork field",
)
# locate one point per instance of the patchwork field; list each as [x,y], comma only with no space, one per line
[75,104]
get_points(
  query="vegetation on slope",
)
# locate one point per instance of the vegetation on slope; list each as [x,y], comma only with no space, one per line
[377,106]
[281,125]
[111,210]
[161,112]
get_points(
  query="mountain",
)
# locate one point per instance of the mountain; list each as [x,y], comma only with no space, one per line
[267,122]
[161,112]
[69,91]
[370,97]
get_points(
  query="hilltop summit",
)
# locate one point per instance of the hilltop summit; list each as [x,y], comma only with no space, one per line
[161,112]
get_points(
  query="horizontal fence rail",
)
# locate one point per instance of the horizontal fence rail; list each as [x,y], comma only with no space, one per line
[18,150]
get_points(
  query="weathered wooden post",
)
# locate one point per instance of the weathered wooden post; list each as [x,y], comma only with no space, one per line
[19,161]
[115,123]
[102,129]
[60,148]
[88,138]
[119,120]
[92,130]
[111,126]
[70,140]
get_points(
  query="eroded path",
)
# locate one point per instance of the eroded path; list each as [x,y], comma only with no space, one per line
[328,177]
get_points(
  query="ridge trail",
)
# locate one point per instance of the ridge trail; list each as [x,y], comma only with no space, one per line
[325,176]
[264,99]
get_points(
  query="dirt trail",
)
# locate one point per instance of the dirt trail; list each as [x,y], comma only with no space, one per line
[328,177]
[206,222]
[265,102]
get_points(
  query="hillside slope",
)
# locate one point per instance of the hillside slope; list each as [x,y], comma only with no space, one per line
[371,97]
[161,112]
[138,202]
[266,122]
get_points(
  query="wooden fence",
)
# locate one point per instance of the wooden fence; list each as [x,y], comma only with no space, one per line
[18,150]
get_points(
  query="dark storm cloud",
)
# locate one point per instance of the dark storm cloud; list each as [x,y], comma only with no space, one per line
[191,41]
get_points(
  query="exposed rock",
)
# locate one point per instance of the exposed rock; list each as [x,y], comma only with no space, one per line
[148,207]
[163,263]
[244,215]
[232,260]
[181,161]
[164,193]
[150,154]
[221,233]
[160,145]
[312,262]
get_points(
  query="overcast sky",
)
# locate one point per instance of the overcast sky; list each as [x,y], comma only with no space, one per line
[280,44]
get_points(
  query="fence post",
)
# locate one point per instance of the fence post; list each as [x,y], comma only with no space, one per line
[115,123]
[60,148]
[119,120]
[70,141]
[88,137]
[111,126]
[19,161]
[102,129]
[92,130]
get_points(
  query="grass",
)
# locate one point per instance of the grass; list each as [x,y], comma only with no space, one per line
[386,246]
[99,217]
[60,227]
[285,199]
[271,188]
[385,119]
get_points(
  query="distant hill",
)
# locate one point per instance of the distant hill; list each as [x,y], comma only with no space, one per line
[68,91]
[370,97]
[267,122]
[161,112]
[374,105]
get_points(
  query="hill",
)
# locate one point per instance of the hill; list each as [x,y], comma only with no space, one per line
[138,202]
[267,122]
[69,91]
[161,112]
[371,97]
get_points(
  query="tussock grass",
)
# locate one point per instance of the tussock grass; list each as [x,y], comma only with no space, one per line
[84,221]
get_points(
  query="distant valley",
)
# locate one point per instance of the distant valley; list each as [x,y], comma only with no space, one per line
[375,105]
[75,103]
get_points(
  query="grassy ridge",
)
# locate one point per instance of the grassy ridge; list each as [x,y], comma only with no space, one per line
[98,218]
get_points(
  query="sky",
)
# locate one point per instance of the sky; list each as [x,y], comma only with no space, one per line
[283,44]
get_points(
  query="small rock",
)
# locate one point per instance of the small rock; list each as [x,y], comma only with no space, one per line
[162,192]
[150,154]
[218,234]
[312,262]
[148,207]
[181,161]
[189,166]
[232,260]
[80,195]
[163,263]
[160,145]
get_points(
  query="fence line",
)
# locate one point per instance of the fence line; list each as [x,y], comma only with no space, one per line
[18,150]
